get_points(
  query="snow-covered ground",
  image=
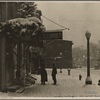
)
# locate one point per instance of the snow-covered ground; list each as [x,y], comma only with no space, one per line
[67,86]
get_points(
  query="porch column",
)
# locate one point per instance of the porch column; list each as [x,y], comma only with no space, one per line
[3,86]
[19,60]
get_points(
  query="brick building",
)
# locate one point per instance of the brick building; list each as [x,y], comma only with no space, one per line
[58,52]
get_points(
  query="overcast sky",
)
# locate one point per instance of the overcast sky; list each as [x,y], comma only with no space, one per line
[78,16]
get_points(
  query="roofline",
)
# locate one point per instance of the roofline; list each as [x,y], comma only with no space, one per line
[57,30]
[63,40]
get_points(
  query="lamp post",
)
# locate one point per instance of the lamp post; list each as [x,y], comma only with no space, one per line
[88,79]
[60,62]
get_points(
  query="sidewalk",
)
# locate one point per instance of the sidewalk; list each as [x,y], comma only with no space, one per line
[67,86]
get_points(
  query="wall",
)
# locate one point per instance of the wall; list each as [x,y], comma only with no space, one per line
[8,10]
[60,53]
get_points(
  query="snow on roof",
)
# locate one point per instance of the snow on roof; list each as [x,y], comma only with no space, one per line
[57,30]
[34,19]
[24,21]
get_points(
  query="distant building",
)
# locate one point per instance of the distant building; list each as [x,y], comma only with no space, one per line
[58,52]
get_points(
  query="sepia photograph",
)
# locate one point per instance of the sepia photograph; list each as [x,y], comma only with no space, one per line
[50,50]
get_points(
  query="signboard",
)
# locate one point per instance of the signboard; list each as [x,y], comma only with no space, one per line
[52,35]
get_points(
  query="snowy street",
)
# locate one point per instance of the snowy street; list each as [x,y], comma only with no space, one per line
[67,86]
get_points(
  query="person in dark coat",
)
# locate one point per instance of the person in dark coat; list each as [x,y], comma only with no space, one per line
[43,76]
[54,72]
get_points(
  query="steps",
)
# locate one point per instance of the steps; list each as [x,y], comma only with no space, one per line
[20,90]
[13,88]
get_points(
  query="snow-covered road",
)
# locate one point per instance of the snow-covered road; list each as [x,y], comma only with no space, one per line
[67,86]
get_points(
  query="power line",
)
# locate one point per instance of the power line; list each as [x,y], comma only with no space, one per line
[56,23]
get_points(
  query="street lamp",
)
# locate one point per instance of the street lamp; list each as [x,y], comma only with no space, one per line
[60,62]
[88,79]
[60,54]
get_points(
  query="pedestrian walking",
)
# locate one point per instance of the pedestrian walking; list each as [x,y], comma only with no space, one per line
[80,77]
[43,76]
[54,72]
[68,71]
[99,82]
[39,71]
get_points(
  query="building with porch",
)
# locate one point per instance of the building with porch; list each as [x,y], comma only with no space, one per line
[15,57]
[58,51]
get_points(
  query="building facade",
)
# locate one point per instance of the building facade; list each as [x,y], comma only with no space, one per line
[8,10]
[58,52]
